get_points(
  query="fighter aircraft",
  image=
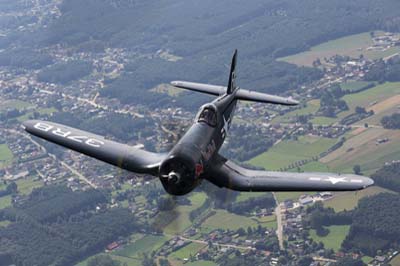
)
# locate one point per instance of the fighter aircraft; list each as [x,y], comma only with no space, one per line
[195,157]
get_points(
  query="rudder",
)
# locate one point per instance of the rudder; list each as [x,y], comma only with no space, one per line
[232,75]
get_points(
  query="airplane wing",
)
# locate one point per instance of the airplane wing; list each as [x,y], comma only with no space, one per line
[242,94]
[121,155]
[228,174]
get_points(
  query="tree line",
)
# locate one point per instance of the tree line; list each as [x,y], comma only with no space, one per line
[72,231]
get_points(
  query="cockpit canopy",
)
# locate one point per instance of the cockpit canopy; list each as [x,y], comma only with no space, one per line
[208,115]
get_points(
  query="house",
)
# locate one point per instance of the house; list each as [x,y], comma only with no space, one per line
[306,200]
[112,246]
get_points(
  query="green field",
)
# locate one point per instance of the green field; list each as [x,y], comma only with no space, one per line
[282,196]
[353,85]
[364,99]
[197,199]
[322,120]
[179,217]
[337,233]
[42,111]
[5,202]
[395,261]
[353,46]
[243,196]
[226,220]
[310,108]
[268,221]
[289,151]
[146,244]
[186,251]
[375,94]
[201,263]
[6,155]
[4,223]
[25,186]
[315,166]
[367,259]
[349,200]
[362,149]
[128,261]
[15,104]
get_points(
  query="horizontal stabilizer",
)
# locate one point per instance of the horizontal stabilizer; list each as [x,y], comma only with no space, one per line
[241,94]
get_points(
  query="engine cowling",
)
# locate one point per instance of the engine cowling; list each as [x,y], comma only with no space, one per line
[179,172]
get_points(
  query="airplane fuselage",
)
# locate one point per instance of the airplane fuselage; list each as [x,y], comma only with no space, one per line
[187,163]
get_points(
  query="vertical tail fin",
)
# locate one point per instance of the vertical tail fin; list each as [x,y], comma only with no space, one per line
[232,75]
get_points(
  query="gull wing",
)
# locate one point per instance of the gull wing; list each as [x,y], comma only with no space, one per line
[227,174]
[121,155]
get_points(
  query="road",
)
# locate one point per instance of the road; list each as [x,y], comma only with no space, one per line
[199,241]
[279,227]
[94,104]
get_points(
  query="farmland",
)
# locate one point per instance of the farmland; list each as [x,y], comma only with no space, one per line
[353,45]
[226,220]
[288,152]
[6,155]
[25,186]
[177,220]
[140,246]
[349,200]
[337,233]
[362,149]
[185,252]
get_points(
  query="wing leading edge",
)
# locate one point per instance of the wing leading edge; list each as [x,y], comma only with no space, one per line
[121,155]
[229,175]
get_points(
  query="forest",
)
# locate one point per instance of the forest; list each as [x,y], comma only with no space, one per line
[382,71]
[388,177]
[65,72]
[71,231]
[391,121]
[375,224]
[24,58]
[205,37]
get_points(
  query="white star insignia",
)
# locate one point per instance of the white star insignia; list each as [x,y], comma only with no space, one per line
[226,126]
[332,179]
[335,180]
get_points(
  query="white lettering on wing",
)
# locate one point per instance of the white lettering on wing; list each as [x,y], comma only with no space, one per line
[68,135]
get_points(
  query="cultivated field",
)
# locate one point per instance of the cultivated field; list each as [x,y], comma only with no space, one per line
[349,200]
[353,46]
[185,252]
[178,219]
[337,233]
[17,104]
[144,245]
[310,108]
[363,149]
[6,155]
[288,152]
[226,220]
[372,97]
